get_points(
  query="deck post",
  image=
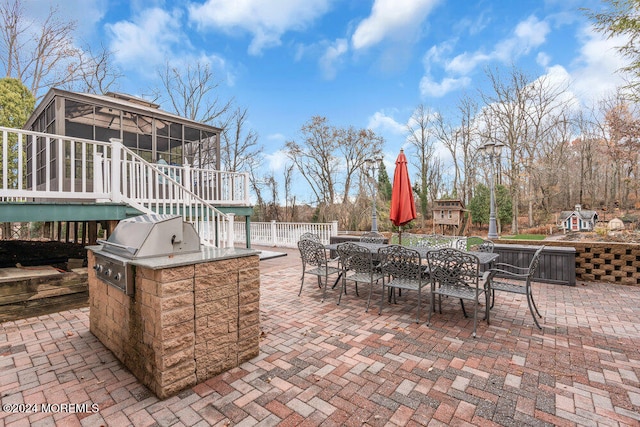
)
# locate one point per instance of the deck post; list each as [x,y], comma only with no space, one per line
[116,156]
[230,227]
[274,233]
[186,181]
[246,189]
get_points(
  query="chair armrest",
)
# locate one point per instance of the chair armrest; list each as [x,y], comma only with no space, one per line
[504,266]
[499,272]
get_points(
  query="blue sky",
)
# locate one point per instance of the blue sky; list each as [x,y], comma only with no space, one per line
[361,63]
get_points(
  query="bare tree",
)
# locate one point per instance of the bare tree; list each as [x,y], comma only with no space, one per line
[356,146]
[95,71]
[39,55]
[546,172]
[238,144]
[420,135]
[505,120]
[290,200]
[44,54]
[191,92]
[257,185]
[315,158]
[621,129]
[470,141]
[328,158]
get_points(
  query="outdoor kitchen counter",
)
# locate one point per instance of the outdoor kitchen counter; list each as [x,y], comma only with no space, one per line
[189,316]
[206,254]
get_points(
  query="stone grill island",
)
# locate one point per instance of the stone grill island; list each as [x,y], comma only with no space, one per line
[185,317]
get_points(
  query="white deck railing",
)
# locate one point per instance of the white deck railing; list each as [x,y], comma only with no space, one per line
[22,178]
[283,234]
[45,167]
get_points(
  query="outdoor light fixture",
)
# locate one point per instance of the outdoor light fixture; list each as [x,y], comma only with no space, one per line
[374,165]
[492,150]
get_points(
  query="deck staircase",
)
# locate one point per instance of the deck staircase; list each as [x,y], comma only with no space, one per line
[40,167]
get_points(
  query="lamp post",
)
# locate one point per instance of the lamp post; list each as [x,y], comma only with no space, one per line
[373,164]
[492,150]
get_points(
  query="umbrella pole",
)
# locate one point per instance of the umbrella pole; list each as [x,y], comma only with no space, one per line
[400,235]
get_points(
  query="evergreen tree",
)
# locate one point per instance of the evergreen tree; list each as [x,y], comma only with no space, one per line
[480,204]
[384,184]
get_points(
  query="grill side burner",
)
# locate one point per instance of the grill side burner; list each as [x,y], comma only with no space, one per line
[142,237]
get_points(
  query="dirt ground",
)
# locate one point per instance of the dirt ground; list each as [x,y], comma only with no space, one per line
[29,253]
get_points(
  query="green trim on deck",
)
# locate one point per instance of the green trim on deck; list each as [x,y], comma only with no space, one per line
[68,211]
[238,210]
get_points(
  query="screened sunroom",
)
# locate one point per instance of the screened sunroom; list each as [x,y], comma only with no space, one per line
[144,128]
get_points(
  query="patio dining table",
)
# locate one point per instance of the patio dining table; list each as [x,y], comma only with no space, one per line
[485,258]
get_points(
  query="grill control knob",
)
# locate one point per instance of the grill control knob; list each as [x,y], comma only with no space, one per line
[117,276]
[98,268]
[108,272]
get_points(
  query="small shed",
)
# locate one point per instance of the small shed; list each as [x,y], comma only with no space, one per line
[615,224]
[577,219]
[448,215]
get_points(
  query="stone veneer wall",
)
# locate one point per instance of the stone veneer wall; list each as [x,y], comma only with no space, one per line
[184,325]
[600,261]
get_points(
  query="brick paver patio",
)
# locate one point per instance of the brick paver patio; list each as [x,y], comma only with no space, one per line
[323,364]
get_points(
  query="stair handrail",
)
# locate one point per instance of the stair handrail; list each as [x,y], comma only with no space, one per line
[176,196]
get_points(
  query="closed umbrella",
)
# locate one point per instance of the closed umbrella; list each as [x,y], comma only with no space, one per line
[403,207]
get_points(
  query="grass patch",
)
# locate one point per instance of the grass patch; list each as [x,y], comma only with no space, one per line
[525,237]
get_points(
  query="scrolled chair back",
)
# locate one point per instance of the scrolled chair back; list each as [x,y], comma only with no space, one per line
[312,252]
[372,237]
[400,262]
[354,257]
[452,267]
[310,236]
[478,244]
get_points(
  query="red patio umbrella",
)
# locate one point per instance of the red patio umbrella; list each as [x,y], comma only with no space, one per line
[403,207]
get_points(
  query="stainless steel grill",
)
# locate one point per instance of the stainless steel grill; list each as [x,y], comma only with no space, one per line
[144,236]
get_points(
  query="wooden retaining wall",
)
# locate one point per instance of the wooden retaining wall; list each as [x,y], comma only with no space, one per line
[599,261]
[557,263]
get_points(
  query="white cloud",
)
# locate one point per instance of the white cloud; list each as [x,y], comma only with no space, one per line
[466,62]
[332,56]
[276,137]
[528,34]
[543,59]
[430,87]
[277,160]
[595,72]
[86,13]
[148,40]
[380,121]
[267,21]
[391,18]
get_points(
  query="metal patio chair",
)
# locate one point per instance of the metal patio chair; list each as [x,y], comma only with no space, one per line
[514,273]
[433,241]
[310,236]
[358,265]
[455,273]
[404,268]
[315,262]
[478,244]
[474,244]
[372,237]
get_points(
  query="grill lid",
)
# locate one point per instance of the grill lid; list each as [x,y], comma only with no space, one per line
[152,235]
